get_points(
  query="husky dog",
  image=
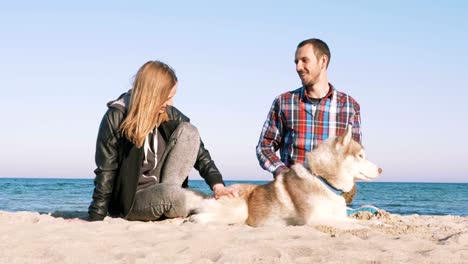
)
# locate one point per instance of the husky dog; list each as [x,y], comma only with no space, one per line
[299,196]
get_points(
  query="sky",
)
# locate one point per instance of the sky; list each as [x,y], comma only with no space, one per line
[405,62]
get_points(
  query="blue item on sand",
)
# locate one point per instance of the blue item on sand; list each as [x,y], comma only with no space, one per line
[364,208]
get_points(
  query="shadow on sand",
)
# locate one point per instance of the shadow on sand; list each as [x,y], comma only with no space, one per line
[69,214]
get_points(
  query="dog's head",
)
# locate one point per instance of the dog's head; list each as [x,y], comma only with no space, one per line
[340,161]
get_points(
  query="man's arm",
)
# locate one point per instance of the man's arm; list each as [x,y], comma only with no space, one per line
[270,140]
[356,122]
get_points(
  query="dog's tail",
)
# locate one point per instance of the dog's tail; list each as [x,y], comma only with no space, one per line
[222,211]
[193,201]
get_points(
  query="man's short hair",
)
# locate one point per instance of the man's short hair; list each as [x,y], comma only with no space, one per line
[320,48]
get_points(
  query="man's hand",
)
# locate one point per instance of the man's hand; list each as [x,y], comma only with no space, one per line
[221,190]
[281,170]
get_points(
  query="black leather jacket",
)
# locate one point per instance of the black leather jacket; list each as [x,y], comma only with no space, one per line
[119,162]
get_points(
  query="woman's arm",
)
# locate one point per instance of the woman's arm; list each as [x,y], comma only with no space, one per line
[107,162]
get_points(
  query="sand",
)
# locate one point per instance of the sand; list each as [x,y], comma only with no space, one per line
[28,237]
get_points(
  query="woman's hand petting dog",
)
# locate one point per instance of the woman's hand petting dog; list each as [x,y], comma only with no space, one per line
[221,190]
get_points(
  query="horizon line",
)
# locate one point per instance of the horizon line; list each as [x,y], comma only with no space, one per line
[73,178]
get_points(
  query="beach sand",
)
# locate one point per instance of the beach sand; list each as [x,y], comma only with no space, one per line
[27,237]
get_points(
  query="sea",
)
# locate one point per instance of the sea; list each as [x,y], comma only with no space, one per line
[74,195]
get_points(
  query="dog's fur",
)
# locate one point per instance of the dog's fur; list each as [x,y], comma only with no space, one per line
[298,196]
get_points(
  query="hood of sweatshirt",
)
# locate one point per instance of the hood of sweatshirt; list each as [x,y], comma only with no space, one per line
[122,102]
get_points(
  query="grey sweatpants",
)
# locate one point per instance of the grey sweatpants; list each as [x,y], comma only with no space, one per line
[167,198]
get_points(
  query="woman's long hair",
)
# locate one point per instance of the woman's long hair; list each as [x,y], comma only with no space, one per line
[151,88]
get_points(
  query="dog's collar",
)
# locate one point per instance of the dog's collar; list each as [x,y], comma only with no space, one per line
[330,187]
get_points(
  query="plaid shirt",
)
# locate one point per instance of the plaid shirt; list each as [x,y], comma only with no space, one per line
[295,126]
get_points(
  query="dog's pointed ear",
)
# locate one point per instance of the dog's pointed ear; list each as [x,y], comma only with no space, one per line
[308,160]
[308,156]
[311,163]
[346,138]
[348,134]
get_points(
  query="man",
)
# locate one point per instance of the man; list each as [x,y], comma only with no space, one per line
[301,119]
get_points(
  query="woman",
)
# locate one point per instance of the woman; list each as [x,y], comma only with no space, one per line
[145,150]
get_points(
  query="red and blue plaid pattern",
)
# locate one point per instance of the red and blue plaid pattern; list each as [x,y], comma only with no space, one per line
[295,126]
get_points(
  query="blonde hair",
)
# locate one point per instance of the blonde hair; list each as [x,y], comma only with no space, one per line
[151,88]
